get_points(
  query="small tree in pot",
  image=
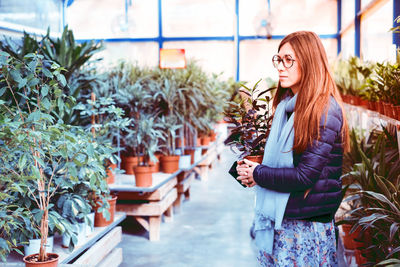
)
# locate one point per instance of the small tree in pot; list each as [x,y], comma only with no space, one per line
[146,134]
[39,153]
[169,162]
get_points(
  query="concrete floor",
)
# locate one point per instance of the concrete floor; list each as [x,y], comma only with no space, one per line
[212,228]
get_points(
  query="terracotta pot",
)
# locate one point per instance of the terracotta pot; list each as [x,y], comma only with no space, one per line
[190,151]
[52,262]
[380,107]
[99,220]
[169,164]
[360,259]
[372,105]
[363,103]
[257,158]
[127,163]
[386,107]
[198,141]
[349,240]
[143,175]
[398,112]
[110,173]
[213,136]
[205,140]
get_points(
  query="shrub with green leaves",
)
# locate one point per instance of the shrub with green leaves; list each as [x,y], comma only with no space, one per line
[39,153]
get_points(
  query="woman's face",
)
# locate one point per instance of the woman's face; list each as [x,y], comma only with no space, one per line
[288,67]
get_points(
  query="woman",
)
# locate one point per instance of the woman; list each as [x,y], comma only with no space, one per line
[298,183]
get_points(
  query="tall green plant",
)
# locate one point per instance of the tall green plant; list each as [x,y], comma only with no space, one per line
[66,52]
[39,153]
[376,202]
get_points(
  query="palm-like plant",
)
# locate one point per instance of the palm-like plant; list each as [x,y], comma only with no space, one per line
[376,202]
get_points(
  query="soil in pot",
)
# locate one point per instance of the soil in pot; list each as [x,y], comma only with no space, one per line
[143,176]
[99,220]
[32,260]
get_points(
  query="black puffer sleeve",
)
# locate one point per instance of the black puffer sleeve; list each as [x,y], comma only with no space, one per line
[312,160]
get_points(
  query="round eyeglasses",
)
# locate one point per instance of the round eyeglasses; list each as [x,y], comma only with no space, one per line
[287,61]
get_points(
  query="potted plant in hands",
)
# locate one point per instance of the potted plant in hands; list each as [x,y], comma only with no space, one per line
[252,124]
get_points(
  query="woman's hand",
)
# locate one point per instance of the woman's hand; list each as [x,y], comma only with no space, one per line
[245,170]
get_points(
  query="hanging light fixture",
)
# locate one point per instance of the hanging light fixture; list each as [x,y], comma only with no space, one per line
[263,21]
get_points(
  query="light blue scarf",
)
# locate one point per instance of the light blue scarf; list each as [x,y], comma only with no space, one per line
[271,205]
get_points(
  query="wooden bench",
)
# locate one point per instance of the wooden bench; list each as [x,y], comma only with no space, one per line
[147,204]
[207,161]
[185,179]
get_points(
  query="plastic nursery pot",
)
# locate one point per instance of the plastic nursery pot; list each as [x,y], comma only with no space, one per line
[143,176]
[32,260]
[169,164]
[257,158]
[99,220]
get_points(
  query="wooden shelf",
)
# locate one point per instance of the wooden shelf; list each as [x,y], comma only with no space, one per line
[65,256]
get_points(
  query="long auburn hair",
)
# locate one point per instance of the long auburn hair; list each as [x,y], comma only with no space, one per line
[316,87]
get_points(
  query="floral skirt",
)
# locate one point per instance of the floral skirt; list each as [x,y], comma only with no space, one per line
[302,243]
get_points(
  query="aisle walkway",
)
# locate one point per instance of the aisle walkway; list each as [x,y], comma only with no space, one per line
[212,228]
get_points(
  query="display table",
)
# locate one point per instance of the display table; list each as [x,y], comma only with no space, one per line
[147,204]
[203,166]
[99,248]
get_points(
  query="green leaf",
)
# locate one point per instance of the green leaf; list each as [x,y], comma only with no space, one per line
[46,104]
[15,75]
[47,73]
[3,244]
[22,83]
[61,79]
[22,162]
[45,90]
[90,150]
[3,90]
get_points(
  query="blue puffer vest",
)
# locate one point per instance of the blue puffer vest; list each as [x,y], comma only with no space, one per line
[319,167]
